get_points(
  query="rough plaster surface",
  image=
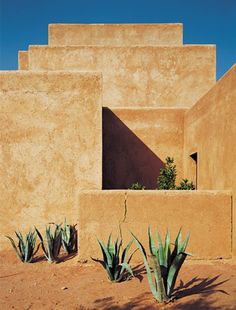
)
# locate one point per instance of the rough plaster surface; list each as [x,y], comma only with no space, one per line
[23,60]
[210,130]
[137,76]
[136,142]
[115,34]
[206,214]
[50,136]
[50,145]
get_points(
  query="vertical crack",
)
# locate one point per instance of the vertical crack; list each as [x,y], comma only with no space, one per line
[125,206]
[124,216]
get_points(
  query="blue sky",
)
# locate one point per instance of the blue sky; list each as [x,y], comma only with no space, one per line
[24,22]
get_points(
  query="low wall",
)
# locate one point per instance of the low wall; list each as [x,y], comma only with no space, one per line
[206,214]
[50,145]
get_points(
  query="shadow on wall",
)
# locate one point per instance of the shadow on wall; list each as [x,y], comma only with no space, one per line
[126,159]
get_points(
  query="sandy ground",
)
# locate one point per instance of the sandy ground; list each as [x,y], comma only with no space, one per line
[70,285]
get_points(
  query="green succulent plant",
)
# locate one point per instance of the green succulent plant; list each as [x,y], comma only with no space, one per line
[25,248]
[53,241]
[137,186]
[69,238]
[116,266]
[167,177]
[164,263]
[185,184]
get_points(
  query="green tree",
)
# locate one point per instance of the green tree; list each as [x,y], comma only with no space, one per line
[167,177]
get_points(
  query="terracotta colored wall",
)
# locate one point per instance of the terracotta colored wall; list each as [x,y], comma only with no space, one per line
[115,34]
[23,60]
[210,130]
[207,214]
[50,145]
[137,76]
[136,142]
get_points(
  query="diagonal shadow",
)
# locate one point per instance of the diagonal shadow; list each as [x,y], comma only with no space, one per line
[108,303]
[126,159]
[66,257]
[202,304]
[139,271]
[197,285]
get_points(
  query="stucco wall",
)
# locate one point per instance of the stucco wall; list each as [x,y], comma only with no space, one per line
[206,214]
[136,142]
[23,60]
[50,145]
[137,76]
[115,34]
[210,130]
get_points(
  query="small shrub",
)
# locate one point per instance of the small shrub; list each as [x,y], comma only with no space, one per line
[165,264]
[25,249]
[167,177]
[69,238]
[137,186]
[53,241]
[116,266]
[185,184]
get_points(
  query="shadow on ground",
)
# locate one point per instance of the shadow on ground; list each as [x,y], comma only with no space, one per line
[203,287]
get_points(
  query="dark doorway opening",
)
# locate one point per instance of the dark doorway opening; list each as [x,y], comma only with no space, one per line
[194,157]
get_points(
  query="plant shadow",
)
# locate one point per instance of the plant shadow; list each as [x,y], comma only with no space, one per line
[197,285]
[139,302]
[139,271]
[39,258]
[203,287]
[66,257]
[61,259]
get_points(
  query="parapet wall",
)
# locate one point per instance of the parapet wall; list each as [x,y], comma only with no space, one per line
[50,145]
[115,34]
[206,214]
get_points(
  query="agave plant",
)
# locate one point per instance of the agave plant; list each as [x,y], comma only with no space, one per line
[69,238]
[164,263]
[53,240]
[25,248]
[117,268]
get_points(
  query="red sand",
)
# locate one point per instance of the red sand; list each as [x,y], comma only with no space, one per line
[70,285]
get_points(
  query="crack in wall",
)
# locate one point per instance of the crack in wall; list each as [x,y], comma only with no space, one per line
[125,206]
[124,216]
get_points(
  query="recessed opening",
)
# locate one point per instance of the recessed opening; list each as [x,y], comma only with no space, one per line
[194,157]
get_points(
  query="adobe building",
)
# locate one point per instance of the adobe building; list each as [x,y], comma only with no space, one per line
[101,107]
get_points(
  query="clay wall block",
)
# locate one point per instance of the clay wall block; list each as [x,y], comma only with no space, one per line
[115,34]
[50,145]
[137,76]
[23,60]
[210,132]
